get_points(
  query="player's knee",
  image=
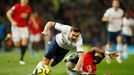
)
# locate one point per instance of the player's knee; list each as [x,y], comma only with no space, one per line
[119,39]
[24,42]
[69,66]
[54,64]
[16,44]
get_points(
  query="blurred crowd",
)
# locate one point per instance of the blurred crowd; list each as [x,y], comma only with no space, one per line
[85,13]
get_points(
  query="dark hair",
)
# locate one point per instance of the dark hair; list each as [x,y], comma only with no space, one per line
[75,28]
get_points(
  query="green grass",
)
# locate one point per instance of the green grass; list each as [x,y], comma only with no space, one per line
[126,68]
[9,65]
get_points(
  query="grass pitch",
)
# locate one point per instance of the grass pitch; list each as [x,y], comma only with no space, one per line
[9,65]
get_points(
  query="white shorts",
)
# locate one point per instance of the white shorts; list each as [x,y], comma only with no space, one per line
[35,38]
[19,33]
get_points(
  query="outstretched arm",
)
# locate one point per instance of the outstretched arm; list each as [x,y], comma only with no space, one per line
[111,54]
[47,27]
[80,61]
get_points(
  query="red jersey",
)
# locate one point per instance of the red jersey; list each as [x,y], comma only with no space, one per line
[20,14]
[88,60]
[34,30]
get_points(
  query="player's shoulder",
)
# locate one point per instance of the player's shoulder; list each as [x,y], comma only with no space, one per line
[110,9]
[120,9]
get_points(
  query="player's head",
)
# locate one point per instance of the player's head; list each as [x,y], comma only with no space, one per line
[98,57]
[115,4]
[74,34]
[24,2]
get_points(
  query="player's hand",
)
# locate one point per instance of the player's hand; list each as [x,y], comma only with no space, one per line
[74,72]
[44,33]
[14,23]
[113,54]
[89,68]
[36,26]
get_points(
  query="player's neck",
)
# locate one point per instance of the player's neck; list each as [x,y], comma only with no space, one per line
[116,9]
[23,4]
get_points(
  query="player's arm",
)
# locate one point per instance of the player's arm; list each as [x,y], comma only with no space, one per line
[33,19]
[89,68]
[9,16]
[47,27]
[79,47]
[80,61]
[96,49]
[105,19]
[111,54]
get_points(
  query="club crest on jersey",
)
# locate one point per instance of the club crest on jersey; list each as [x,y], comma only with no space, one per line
[24,15]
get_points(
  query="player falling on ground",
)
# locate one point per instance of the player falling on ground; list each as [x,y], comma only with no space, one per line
[61,44]
[91,58]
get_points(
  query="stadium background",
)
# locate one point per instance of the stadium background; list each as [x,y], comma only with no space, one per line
[86,13]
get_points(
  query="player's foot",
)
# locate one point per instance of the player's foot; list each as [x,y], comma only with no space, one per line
[22,62]
[119,60]
[108,61]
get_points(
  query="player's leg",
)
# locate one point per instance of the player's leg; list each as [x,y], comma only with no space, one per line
[54,55]
[49,54]
[34,42]
[126,40]
[45,63]
[108,46]
[24,43]
[69,66]
[16,36]
[60,54]
[119,48]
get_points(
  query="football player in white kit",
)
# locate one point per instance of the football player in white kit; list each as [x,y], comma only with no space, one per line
[70,37]
[127,33]
[114,16]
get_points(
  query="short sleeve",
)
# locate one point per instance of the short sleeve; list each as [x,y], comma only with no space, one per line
[107,13]
[62,27]
[79,45]
[14,7]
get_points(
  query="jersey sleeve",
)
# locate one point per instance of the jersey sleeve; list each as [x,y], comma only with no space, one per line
[79,45]
[62,27]
[132,22]
[107,13]
[14,7]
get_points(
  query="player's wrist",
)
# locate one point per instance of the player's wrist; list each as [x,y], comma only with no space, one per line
[73,70]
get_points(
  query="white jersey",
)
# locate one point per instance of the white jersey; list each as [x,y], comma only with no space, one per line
[62,38]
[114,25]
[127,22]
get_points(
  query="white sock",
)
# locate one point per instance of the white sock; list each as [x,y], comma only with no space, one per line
[125,48]
[119,47]
[125,52]
[39,64]
[108,47]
